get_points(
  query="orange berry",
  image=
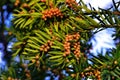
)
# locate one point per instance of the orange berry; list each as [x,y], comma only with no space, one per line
[67,1]
[45,49]
[49,16]
[98,76]
[9,78]
[27,71]
[61,16]
[115,62]
[27,75]
[43,0]
[67,60]
[9,33]
[16,4]
[48,41]
[42,46]
[48,47]
[37,57]
[45,19]
[77,54]
[67,52]
[37,62]
[25,5]
[66,39]
[73,75]
[82,75]
[64,54]
[41,49]
[17,1]
[33,60]
[24,65]
[32,11]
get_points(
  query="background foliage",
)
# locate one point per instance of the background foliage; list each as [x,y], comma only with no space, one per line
[51,40]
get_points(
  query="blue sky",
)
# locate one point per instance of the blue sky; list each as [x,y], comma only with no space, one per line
[99,3]
[102,40]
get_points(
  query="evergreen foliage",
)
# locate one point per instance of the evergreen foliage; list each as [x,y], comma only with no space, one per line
[51,37]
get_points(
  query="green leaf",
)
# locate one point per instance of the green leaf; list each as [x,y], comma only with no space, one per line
[17,44]
[56,52]
[17,52]
[56,60]
[29,21]
[36,39]
[114,74]
[117,72]
[56,26]
[36,14]
[59,63]
[117,21]
[18,20]
[74,24]
[68,25]
[24,53]
[22,24]
[82,23]
[33,42]
[41,37]
[47,30]
[58,43]
[31,50]
[71,62]
[91,20]
[59,35]
[32,2]
[56,47]
[34,46]
[45,35]
[55,57]
[40,8]
[11,71]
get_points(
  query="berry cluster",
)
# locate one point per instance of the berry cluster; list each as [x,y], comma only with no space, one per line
[77,49]
[46,46]
[75,37]
[66,48]
[17,2]
[91,72]
[27,72]
[67,44]
[36,60]
[51,13]
[69,37]
[71,4]
[96,73]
